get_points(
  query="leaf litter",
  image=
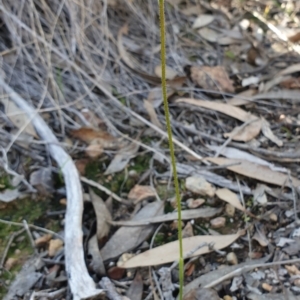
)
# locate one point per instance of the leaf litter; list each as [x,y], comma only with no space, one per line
[238,110]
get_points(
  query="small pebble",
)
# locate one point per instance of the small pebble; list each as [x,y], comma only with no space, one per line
[297,282]
[231,258]
[191,203]
[273,217]
[227,297]
[267,287]
[218,222]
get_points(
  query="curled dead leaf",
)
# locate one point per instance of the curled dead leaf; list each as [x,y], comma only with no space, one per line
[210,78]
[141,192]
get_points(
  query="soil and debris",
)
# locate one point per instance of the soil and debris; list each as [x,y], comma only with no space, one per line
[87,202]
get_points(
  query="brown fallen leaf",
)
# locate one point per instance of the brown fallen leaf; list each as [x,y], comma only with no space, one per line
[290,83]
[93,136]
[170,252]
[246,133]
[252,170]
[141,192]
[210,78]
[295,38]
[43,240]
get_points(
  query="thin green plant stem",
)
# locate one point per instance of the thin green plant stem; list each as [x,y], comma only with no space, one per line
[171,146]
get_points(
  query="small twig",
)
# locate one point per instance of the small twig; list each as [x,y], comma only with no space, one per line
[32,226]
[11,239]
[104,189]
[29,235]
[245,215]
[242,270]
[49,295]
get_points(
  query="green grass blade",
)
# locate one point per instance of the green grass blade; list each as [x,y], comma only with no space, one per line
[171,146]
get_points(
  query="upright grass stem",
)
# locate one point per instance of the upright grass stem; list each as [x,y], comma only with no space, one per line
[171,146]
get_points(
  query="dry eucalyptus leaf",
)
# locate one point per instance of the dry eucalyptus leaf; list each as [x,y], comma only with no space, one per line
[210,78]
[242,98]
[202,21]
[209,35]
[135,291]
[202,294]
[230,197]
[170,73]
[247,133]
[170,252]
[189,214]
[96,264]
[103,215]
[122,158]
[128,238]
[259,195]
[252,170]
[42,180]
[152,113]
[141,192]
[229,110]
[234,153]
[92,136]
[18,117]
[268,133]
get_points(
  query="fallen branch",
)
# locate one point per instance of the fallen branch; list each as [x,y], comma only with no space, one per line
[81,284]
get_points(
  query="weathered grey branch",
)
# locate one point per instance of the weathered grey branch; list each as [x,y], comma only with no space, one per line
[82,285]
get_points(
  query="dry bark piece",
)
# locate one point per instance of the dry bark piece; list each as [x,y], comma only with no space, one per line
[210,78]
[141,192]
